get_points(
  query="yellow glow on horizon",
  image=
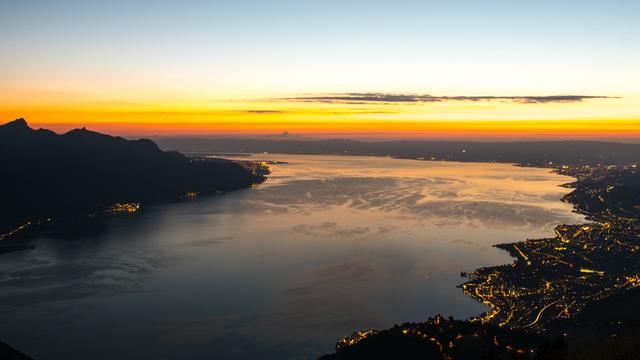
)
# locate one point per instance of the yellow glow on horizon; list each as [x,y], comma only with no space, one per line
[594,118]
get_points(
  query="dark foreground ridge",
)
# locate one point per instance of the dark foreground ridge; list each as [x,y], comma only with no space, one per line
[573,296]
[44,176]
[9,353]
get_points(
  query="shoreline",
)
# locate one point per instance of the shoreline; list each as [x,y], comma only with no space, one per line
[546,287]
[514,252]
[29,228]
[547,272]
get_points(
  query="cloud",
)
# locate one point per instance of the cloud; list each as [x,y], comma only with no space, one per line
[212,112]
[263,111]
[381,98]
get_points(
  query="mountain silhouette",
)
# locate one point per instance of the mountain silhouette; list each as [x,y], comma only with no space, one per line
[538,153]
[48,175]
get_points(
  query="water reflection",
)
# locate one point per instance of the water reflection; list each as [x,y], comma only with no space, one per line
[326,246]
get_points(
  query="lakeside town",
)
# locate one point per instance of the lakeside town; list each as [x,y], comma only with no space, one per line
[550,281]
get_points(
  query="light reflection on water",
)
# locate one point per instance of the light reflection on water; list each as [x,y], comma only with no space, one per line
[326,246]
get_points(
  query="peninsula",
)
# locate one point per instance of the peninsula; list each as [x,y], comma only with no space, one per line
[48,176]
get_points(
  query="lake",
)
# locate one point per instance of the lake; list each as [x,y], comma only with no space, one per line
[327,245]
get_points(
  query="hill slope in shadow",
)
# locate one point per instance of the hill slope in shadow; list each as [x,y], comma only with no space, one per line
[47,175]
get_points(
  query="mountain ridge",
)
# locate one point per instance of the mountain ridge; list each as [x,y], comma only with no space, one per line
[537,153]
[47,175]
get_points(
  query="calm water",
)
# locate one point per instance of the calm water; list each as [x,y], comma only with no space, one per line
[326,246]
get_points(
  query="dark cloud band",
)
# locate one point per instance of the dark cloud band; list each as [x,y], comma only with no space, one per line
[363,98]
[264,111]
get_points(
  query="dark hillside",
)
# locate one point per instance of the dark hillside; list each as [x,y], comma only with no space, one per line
[46,175]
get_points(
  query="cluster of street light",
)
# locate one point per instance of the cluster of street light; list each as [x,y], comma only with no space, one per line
[550,279]
[557,277]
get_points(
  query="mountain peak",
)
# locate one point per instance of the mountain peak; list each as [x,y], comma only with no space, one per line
[17,124]
[83,131]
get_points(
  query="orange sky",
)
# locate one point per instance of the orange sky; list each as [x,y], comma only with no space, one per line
[514,70]
[609,118]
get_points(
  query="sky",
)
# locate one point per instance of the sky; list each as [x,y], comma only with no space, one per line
[377,69]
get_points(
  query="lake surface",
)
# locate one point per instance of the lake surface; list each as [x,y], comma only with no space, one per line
[328,245]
